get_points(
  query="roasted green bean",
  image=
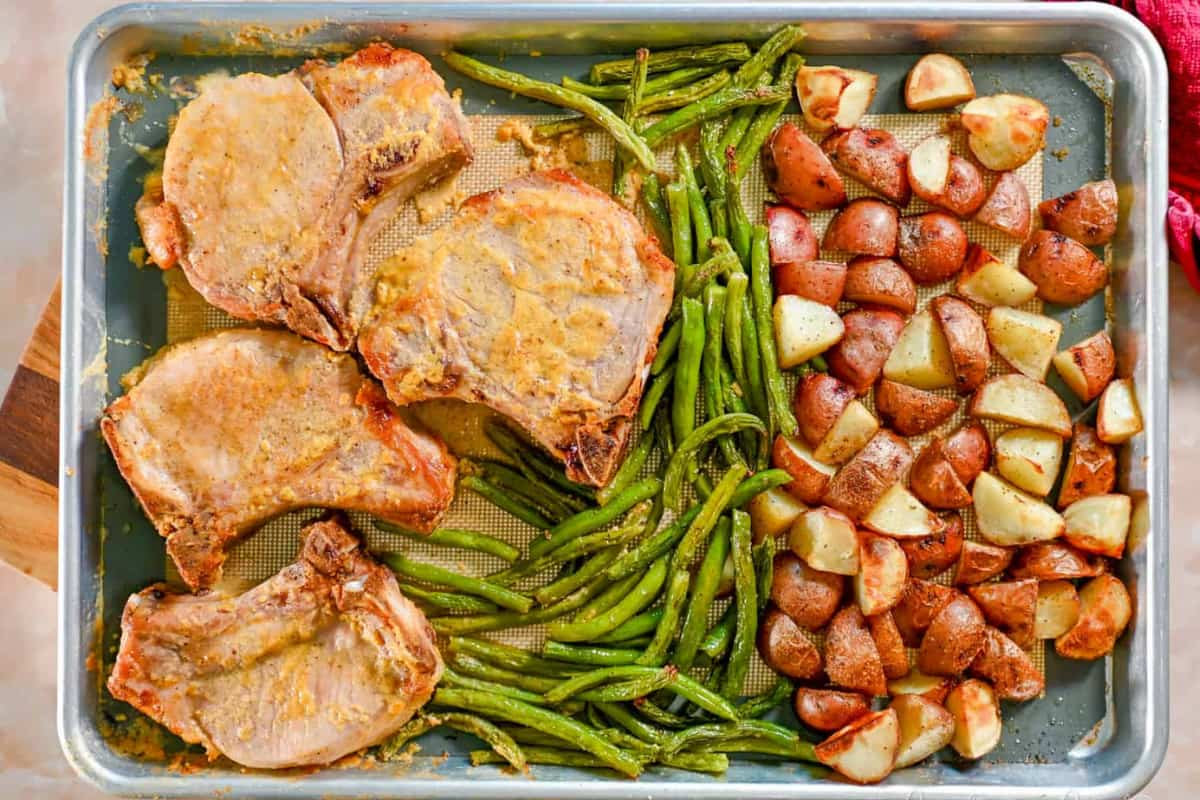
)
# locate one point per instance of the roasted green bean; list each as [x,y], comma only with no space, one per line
[765,118]
[760,704]
[457,538]
[642,624]
[659,385]
[560,588]
[656,207]
[474,668]
[682,243]
[655,654]
[588,654]
[687,372]
[431,573]
[668,345]
[686,451]
[448,601]
[685,95]
[711,107]
[669,60]
[509,657]
[760,290]
[746,603]
[660,83]
[501,743]
[502,500]
[642,595]
[704,589]
[596,518]
[630,469]
[701,224]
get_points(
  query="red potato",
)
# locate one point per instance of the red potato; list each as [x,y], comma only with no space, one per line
[911,411]
[932,246]
[1099,524]
[1009,605]
[785,648]
[967,339]
[1088,215]
[953,640]
[827,540]
[925,728]
[1008,516]
[834,97]
[810,597]
[822,281]
[977,723]
[865,227]
[1088,366]
[853,429]
[880,282]
[829,709]
[980,561]
[882,573]
[819,400]
[889,643]
[1057,609]
[933,688]
[943,179]
[851,658]
[1105,609]
[799,172]
[867,340]
[772,512]
[1008,668]
[1091,467]
[965,191]
[791,237]
[1064,271]
[810,477]
[932,555]
[874,157]
[864,751]
[934,481]
[1021,400]
[968,450]
[919,604]
[1007,207]
[859,485]
[937,81]
[988,281]
[1053,561]
[901,515]
[1005,130]
[1118,418]
[803,329]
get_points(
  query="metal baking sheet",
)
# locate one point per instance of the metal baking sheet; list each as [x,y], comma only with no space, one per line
[1100,731]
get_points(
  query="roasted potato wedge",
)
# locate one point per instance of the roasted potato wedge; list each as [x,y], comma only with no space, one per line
[889,643]
[1005,130]
[965,190]
[968,450]
[1064,271]
[925,728]
[1009,605]
[853,429]
[870,335]
[1007,208]
[919,604]
[990,282]
[803,329]
[1119,418]
[931,687]
[953,639]
[834,97]
[1099,524]
[791,238]
[851,660]
[1104,610]
[934,480]
[819,401]
[979,561]
[810,597]
[865,750]
[1029,459]
[799,172]
[943,179]
[1088,215]
[1021,400]
[976,713]
[1007,667]
[880,282]
[1025,340]
[829,709]
[785,648]
[931,246]
[865,227]
[819,281]
[882,573]
[1007,516]
[937,81]
[930,556]
[921,356]
[1088,366]
[966,338]
[827,541]
[857,487]
[1057,609]
[772,512]
[875,158]
[911,411]
[810,477]
[1091,467]
[899,514]
[1052,561]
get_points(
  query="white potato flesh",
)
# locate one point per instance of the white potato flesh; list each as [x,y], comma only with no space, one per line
[1005,130]
[826,540]
[933,687]
[1026,341]
[865,750]
[921,356]
[996,284]
[1057,609]
[803,329]
[929,165]
[772,512]
[925,728]
[1119,419]
[1007,516]
[1021,400]
[899,513]
[834,97]
[853,429]
[976,713]
[1099,524]
[937,81]
[1029,458]
[882,574]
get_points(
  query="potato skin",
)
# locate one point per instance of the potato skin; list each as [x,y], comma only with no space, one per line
[967,339]
[880,282]
[1053,561]
[865,227]
[1009,605]
[829,709]
[821,281]
[851,659]
[808,482]
[867,339]
[934,481]
[791,237]
[819,400]
[979,561]
[889,643]
[909,410]
[873,156]
[1064,271]
[1096,361]
[1091,467]
[968,450]
[1088,215]
[932,246]
[1104,611]
[1007,667]
[799,172]
[859,484]
[920,603]
[953,639]
[930,556]
[810,597]
[1007,207]
[785,648]
[964,192]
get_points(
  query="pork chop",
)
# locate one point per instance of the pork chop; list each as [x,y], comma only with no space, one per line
[542,299]
[324,658]
[274,186]
[222,432]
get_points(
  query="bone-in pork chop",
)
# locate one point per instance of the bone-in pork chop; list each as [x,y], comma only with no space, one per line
[224,431]
[324,658]
[274,186]
[542,299]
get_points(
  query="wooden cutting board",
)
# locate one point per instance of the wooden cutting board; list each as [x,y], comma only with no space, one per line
[29,454]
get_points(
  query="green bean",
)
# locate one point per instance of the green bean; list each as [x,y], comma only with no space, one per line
[677,591]
[667,60]
[798,751]
[630,469]
[622,134]
[452,678]
[596,518]
[542,719]
[766,701]
[588,654]
[658,715]
[631,108]
[741,232]
[658,387]
[712,160]
[627,690]
[667,347]
[708,579]
[560,588]
[656,207]
[685,95]
[715,105]
[819,363]
[715,677]
[723,263]
[715,763]
[661,427]
[642,624]
[765,118]
[629,721]
[746,602]
[474,668]
[531,457]
[587,680]
[619,91]
[701,224]
[687,372]
[682,247]
[720,220]
[717,640]
[761,62]
[687,450]
[448,601]
[521,487]
[710,701]
[713,734]
[710,368]
[450,626]
[497,497]
[431,573]
[559,127]
[627,531]
[760,289]
[457,538]
[509,657]
[642,595]
[501,743]
[417,726]
[700,529]
[764,568]
[735,289]
[608,598]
